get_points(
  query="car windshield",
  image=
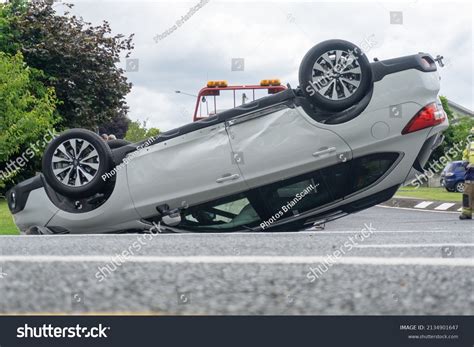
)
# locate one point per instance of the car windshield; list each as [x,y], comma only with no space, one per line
[450,167]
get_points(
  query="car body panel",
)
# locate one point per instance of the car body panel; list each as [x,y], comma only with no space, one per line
[394,103]
[117,213]
[193,168]
[283,144]
[39,210]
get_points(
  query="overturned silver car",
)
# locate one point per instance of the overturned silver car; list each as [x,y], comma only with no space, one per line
[341,142]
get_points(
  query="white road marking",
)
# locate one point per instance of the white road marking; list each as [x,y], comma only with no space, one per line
[445,206]
[415,245]
[419,210]
[424,204]
[469,262]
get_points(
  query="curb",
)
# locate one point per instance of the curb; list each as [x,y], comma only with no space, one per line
[420,204]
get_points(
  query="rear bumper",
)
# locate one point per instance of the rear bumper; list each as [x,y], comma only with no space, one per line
[417,173]
[429,146]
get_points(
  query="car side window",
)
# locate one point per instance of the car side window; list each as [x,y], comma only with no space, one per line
[338,178]
[224,214]
[368,169]
[306,192]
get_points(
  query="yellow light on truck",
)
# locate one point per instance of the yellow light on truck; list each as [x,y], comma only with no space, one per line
[273,82]
[212,84]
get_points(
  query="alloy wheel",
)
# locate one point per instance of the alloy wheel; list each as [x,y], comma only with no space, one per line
[336,75]
[75,162]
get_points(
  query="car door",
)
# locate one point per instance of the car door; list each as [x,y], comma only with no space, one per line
[280,143]
[184,171]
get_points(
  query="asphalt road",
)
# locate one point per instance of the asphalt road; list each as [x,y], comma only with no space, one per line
[405,262]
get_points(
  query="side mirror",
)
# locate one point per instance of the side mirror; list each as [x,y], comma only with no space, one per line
[171,220]
[203,99]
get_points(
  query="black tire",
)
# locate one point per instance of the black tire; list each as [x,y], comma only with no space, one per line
[459,187]
[346,67]
[72,174]
[117,143]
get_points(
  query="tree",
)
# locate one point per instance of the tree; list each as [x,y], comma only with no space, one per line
[117,126]
[78,59]
[456,133]
[26,114]
[8,43]
[138,132]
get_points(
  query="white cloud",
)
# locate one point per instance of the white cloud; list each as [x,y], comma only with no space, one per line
[149,105]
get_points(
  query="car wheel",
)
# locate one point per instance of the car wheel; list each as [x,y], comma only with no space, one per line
[459,187]
[74,162]
[335,75]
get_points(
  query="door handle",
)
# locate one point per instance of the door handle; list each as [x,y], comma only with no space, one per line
[324,151]
[228,177]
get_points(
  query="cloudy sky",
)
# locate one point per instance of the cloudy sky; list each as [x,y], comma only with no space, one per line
[272,37]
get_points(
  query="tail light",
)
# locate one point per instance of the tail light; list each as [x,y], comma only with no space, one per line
[430,115]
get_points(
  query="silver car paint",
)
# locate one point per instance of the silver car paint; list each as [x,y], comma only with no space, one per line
[38,211]
[117,213]
[185,170]
[284,144]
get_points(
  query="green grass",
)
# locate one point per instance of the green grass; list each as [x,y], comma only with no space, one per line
[7,227]
[437,194]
